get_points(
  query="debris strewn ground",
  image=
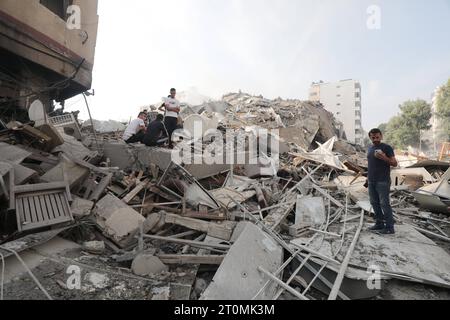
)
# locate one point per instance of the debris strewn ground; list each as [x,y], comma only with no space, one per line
[89,217]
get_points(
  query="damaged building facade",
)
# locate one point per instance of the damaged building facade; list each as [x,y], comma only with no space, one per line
[47,50]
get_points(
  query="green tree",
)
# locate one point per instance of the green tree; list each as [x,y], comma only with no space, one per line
[443,109]
[405,129]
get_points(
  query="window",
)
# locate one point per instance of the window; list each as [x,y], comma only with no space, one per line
[58,7]
[358,123]
[357,95]
[338,104]
[338,95]
[358,113]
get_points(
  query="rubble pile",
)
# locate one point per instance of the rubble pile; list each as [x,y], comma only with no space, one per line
[133,223]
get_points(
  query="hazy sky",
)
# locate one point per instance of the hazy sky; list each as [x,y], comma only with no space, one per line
[274,48]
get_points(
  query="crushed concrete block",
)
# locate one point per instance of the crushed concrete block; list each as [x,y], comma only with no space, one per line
[81,207]
[96,247]
[12,153]
[120,155]
[122,223]
[238,277]
[75,174]
[310,211]
[117,220]
[145,264]
[73,147]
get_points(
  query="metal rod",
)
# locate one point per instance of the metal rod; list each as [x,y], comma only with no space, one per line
[29,272]
[315,253]
[190,242]
[289,249]
[281,283]
[429,233]
[344,266]
[92,122]
[294,274]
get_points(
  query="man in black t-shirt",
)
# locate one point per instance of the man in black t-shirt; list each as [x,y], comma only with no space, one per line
[381,158]
[155,133]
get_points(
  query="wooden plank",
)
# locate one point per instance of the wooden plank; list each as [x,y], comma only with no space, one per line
[130,196]
[40,187]
[46,223]
[20,212]
[65,204]
[12,196]
[100,188]
[191,259]
[54,206]
[32,210]
[37,205]
[197,244]
[44,207]
[27,213]
[60,205]
[51,213]
[221,231]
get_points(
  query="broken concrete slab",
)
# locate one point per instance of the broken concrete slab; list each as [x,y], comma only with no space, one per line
[238,277]
[145,264]
[119,154]
[22,174]
[12,153]
[310,211]
[121,224]
[66,168]
[73,148]
[408,255]
[81,207]
[106,207]
[221,230]
[95,247]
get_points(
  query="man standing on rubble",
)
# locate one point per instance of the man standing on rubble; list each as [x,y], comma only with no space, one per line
[171,107]
[381,158]
[136,129]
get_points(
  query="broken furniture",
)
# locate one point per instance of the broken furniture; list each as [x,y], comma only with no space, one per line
[40,205]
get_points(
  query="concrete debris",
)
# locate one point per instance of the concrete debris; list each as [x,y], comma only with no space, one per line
[144,265]
[238,277]
[104,126]
[283,221]
[96,247]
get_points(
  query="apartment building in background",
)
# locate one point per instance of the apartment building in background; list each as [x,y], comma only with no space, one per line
[343,99]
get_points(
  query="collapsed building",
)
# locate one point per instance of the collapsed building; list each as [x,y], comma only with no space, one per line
[47,50]
[141,223]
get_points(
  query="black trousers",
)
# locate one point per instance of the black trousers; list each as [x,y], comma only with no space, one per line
[138,137]
[171,125]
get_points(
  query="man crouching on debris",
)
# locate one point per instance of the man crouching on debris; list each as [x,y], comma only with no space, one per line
[381,158]
[155,132]
[136,129]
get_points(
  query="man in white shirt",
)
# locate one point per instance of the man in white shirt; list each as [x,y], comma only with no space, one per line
[171,107]
[136,129]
